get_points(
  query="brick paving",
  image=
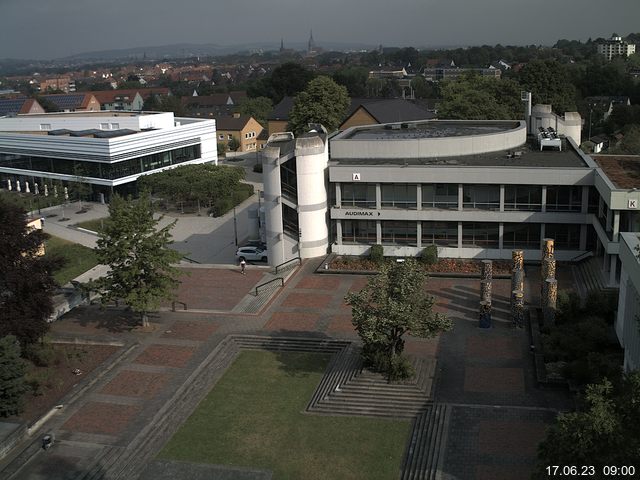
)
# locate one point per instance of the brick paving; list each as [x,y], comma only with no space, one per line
[477,369]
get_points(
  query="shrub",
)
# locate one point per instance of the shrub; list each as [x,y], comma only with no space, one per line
[377,254]
[400,368]
[573,341]
[42,355]
[429,255]
[221,206]
[602,304]
[568,306]
[595,367]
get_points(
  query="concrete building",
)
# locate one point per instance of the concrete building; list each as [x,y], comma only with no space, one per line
[614,47]
[109,150]
[119,100]
[629,301]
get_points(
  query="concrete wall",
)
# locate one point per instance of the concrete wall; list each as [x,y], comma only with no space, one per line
[627,327]
[86,121]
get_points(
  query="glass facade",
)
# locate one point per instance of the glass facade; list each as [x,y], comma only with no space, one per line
[290,221]
[480,235]
[444,234]
[399,195]
[521,236]
[359,231]
[561,198]
[359,195]
[481,197]
[566,236]
[289,179]
[104,170]
[523,198]
[399,233]
[443,196]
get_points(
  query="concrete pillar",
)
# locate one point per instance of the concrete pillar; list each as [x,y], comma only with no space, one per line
[273,206]
[339,232]
[544,198]
[615,226]
[584,208]
[460,196]
[419,196]
[613,270]
[419,234]
[502,198]
[542,234]
[459,235]
[378,232]
[501,236]
[338,195]
[378,197]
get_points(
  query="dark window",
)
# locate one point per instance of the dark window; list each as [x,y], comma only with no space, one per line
[562,198]
[481,197]
[399,195]
[399,233]
[290,221]
[521,235]
[359,195]
[443,195]
[523,197]
[359,231]
[289,179]
[480,235]
[567,237]
[444,234]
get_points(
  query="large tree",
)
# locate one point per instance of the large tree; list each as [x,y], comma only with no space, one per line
[259,108]
[603,433]
[26,281]
[393,303]
[549,83]
[142,271]
[12,381]
[323,101]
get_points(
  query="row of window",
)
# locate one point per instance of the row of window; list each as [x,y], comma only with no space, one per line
[474,234]
[475,197]
[108,171]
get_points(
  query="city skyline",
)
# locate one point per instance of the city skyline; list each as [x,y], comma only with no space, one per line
[60,29]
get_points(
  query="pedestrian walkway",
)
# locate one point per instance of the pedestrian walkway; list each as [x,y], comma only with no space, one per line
[486,417]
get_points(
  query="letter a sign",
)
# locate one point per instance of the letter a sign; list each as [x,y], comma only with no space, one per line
[355,177]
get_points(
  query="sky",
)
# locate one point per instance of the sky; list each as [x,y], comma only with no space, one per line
[45,29]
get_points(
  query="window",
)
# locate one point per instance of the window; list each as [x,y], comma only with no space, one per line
[104,126]
[229,136]
[115,126]
[400,195]
[359,231]
[523,197]
[521,236]
[444,234]
[481,197]
[561,198]
[45,126]
[399,233]
[567,237]
[443,196]
[359,195]
[480,235]
[220,137]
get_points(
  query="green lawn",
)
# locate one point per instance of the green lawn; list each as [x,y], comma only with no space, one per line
[254,418]
[78,258]
[94,225]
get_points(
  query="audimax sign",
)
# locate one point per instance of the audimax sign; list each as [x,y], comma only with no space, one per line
[359,213]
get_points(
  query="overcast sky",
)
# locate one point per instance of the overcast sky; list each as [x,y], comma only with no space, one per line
[56,28]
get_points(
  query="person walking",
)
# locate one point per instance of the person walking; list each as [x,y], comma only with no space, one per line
[243,265]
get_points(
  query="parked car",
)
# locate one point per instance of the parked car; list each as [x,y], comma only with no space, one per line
[254,254]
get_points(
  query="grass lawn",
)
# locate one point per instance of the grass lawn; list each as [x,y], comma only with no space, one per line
[94,225]
[254,418]
[78,258]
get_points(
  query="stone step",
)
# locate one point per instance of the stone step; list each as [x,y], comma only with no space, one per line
[348,392]
[360,401]
[369,411]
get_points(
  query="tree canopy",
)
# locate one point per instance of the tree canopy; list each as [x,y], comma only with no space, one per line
[259,108]
[12,380]
[473,97]
[323,101]
[26,283]
[393,303]
[548,81]
[604,432]
[138,255]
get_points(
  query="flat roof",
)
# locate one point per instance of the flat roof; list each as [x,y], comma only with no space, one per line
[524,156]
[429,129]
[622,170]
[101,113]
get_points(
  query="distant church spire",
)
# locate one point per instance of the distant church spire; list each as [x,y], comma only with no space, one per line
[311,46]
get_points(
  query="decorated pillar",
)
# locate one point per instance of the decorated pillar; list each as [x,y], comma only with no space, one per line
[517,308]
[485,291]
[550,301]
[485,314]
[547,248]
[518,259]
[487,270]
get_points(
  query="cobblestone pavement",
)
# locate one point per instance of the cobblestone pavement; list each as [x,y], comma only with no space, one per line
[485,375]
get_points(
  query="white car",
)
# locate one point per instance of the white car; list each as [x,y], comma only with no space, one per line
[251,254]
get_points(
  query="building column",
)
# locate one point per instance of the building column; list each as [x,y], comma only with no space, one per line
[460,196]
[500,235]
[609,219]
[378,197]
[339,232]
[338,195]
[378,232]
[616,225]
[544,199]
[419,197]
[501,199]
[542,234]
[419,234]
[585,199]
[459,235]
[583,237]
[613,267]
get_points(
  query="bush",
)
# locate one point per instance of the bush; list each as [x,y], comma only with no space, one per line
[602,304]
[429,255]
[377,360]
[41,355]
[376,254]
[221,206]
[568,307]
[595,367]
[570,342]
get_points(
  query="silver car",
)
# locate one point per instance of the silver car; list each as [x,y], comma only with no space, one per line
[254,254]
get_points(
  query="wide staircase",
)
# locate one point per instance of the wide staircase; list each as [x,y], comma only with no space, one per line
[589,277]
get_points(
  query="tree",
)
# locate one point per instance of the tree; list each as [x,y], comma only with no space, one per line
[259,108]
[473,97]
[12,380]
[548,82]
[26,282]
[354,78]
[80,185]
[392,304]
[233,145]
[603,433]
[138,255]
[630,144]
[323,101]
[288,80]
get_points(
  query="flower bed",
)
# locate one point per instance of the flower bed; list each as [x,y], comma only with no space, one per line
[444,265]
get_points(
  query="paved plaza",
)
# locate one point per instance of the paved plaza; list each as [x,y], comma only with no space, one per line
[484,376]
